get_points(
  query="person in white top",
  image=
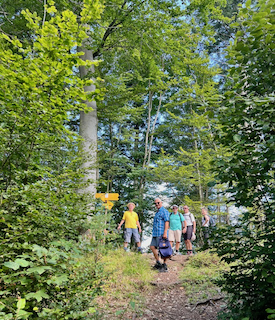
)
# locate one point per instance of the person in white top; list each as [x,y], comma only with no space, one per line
[191,228]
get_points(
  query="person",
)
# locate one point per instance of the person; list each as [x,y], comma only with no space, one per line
[191,228]
[130,218]
[160,229]
[176,223]
[205,227]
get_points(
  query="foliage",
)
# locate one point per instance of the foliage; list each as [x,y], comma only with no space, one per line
[55,283]
[200,274]
[247,118]
[40,173]
[160,95]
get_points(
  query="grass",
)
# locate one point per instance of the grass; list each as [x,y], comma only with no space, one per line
[128,277]
[199,275]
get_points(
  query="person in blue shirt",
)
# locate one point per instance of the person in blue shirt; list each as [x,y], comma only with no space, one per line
[160,227]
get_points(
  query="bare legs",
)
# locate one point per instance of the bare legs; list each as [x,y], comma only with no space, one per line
[188,245]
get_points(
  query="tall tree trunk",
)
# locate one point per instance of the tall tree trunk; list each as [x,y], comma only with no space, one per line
[198,168]
[149,143]
[153,130]
[88,129]
[150,102]
[227,221]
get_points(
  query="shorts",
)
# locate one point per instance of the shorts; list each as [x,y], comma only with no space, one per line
[128,235]
[188,234]
[174,235]
[155,242]
[205,232]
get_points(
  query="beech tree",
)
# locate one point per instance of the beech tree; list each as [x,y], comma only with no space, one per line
[41,212]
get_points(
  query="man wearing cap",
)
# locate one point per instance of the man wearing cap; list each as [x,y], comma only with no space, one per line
[177,226]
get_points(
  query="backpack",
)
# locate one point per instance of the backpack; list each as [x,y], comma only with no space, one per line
[165,249]
[212,221]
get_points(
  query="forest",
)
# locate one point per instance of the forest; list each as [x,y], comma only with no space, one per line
[146,98]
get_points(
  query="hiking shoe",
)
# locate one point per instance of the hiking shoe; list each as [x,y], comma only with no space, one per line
[163,268]
[158,265]
[178,253]
[126,249]
[139,250]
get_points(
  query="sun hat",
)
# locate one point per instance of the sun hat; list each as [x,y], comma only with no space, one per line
[174,205]
[132,204]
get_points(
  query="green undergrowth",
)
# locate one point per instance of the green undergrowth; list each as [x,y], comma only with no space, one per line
[129,276]
[54,283]
[199,276]
[127,271]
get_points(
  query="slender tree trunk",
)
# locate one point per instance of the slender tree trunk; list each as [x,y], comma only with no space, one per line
[153,130]
[198,169]
[148,127]
[227,215]
[149,143]
[218,211]
[88,130]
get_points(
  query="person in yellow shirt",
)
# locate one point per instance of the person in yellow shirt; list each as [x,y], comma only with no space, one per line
[130,218]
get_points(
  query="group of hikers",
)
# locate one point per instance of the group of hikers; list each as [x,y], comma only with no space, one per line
[166,225]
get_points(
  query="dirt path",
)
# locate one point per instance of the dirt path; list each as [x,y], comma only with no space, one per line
[168,301]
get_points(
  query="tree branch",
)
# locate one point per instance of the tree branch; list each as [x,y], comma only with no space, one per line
[112,26]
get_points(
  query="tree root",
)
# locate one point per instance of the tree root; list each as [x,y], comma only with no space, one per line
[207,301]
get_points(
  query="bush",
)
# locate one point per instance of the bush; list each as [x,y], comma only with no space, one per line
[55,283]
[200,275]
[247,130]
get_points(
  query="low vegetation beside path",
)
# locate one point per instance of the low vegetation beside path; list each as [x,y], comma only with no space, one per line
[130,276]
[200,274]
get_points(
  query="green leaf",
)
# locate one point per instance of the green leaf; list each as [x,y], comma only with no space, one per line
[38,270]
[236,138]
[12,265]
[118,312]
[22,314]
[39,295]
[40,251]
[59,280]
[21,304]
[22,262]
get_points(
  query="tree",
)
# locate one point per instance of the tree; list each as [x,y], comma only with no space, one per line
[41,211]
[247,119]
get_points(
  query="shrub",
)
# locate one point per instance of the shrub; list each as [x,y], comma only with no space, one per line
[200,274]
[55,283]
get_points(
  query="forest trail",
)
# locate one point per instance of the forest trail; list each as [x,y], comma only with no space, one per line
[168,301]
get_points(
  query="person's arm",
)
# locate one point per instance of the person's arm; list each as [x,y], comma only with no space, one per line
[206,219]
[185,226]
[139,227]
[166,227]
[194,226]
[121,223]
